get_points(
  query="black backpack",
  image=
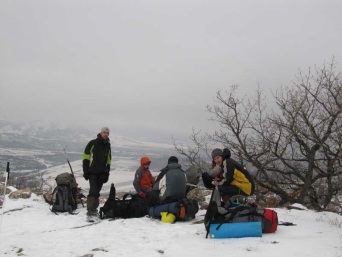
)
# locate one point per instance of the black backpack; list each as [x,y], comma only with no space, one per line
[130,206]
[187,209]
[64,196]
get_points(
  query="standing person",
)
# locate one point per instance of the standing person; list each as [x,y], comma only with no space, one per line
[230,177]
[170,183]
[143,180]
[96,166]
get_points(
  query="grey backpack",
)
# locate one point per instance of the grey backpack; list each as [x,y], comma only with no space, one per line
[64,196]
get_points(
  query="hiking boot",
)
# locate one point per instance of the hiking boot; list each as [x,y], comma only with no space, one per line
[93,218]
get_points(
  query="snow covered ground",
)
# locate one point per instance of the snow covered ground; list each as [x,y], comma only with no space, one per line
[29,228]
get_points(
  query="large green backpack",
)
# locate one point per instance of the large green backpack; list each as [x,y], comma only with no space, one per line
[64,196]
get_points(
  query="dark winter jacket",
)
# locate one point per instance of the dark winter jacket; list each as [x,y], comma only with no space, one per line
[97,156]
[237,175]
[171,183]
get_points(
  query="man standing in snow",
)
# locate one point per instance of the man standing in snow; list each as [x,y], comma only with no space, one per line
[143,180]
[96,167]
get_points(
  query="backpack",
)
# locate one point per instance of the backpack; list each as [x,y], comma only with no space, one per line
[248,212]
[64,195]
[187,209]
[130,206]
[269,221]
[193,175]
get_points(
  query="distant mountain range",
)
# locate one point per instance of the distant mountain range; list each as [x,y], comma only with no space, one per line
[38,145]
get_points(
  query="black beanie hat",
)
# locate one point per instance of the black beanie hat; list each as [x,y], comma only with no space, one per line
[216,152]
[172,159]
[226,153]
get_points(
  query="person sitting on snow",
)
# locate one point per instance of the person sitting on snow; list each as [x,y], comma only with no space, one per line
[170,185]
[143,179]
[228,176]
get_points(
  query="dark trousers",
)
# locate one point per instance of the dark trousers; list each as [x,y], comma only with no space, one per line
[230,190]
[95,183]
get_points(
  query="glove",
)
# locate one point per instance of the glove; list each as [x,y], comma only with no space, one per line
[215,183]
[142,194]
[86,176]
[105,177]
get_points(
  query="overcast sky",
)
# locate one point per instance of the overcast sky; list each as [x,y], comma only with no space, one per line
[142,65]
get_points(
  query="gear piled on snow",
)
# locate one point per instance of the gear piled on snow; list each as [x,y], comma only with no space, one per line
[64,196]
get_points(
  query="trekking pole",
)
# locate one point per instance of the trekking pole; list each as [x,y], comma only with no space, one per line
[72,172]
[3,202]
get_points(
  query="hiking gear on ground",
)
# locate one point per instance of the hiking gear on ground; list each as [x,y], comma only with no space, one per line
[187,209]
[270,221]
[218,214]
[64,196]
[130,206]
[155,212]
[235,230]
[66,156]
[193,175]
[168,217]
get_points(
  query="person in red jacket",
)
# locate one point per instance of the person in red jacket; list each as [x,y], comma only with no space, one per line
[143,180]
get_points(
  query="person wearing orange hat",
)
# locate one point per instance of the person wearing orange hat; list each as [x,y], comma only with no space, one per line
[143,179]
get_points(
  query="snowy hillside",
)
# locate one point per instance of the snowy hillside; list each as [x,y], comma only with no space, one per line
[122,174]
[30,229]
[39,145]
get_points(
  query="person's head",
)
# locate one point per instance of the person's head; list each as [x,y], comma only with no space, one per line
[217,155]
[172,159]
[145,162]
[104,132]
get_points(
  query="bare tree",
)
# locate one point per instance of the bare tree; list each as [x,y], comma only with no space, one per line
[198,152]
[295,148]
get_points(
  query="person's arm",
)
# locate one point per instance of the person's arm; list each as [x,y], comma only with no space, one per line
[86,159]
[136,181]
[160,176]
[229,172]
